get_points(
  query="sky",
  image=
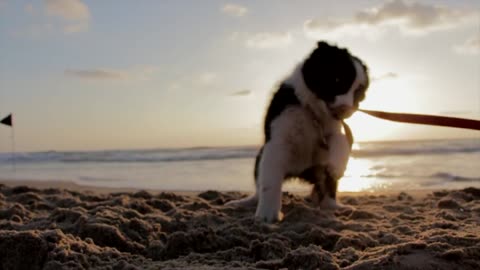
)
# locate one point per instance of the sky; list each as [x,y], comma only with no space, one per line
[91,75]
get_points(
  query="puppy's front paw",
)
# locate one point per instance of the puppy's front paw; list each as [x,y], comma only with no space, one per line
[332,204]
[268,213]
[269,217]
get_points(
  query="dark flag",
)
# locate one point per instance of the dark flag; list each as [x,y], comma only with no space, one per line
[7,120]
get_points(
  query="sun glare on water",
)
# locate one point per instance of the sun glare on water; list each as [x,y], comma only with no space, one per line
[357,177]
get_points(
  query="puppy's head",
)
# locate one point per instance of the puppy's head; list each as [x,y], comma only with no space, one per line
[337,77]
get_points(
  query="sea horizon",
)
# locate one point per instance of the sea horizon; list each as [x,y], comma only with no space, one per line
[386,141]
[373,166]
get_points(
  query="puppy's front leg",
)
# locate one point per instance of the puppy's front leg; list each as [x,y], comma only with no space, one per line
[338,156]
[270,180]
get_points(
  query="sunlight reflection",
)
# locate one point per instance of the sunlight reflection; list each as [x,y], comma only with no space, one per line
[357,177]
[356,184]
[359,167]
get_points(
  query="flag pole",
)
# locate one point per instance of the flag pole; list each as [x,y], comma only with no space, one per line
[14,164]
[9,122]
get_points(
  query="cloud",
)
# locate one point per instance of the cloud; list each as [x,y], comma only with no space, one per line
[409,17]
[241,93]
[29,8]
[74,14]
[386,76]
[263,40]
[67,16]
[96,74]
[174,86]
[73,10]
[267,40]
[470,46]
[140,73]
[206,78]
[414,15]
[75,28]
[234,10]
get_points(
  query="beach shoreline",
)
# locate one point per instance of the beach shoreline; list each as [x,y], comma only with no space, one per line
[72,185]
[62,225]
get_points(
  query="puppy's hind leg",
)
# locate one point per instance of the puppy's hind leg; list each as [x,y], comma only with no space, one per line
[329,200]
[244,202]
[315,175]
[324,191]
[252,199]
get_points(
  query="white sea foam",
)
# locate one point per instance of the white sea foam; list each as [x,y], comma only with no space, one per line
[414,164]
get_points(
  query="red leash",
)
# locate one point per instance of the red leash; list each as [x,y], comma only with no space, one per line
[426,119]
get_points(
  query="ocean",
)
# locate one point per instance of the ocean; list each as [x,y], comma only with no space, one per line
[373,166]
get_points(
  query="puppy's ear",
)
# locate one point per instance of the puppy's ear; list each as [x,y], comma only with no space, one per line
[322,44]
[365,68]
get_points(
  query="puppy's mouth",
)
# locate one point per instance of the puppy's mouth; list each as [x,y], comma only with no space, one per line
[342,112]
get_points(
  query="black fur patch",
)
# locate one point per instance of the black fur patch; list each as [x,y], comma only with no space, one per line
[284,97]
[257,163]
[281,100]
[329,71]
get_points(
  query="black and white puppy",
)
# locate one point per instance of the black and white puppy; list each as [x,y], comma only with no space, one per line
[305,136]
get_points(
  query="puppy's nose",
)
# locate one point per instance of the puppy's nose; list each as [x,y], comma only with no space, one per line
[343,111]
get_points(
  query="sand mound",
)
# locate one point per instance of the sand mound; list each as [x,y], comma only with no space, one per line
[61,229]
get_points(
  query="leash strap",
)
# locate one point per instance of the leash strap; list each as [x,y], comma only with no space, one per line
[433,120]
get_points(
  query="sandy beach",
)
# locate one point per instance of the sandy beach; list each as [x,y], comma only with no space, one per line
[127,126]
[64,226]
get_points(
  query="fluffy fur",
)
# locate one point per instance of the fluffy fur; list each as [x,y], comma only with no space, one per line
[305,136]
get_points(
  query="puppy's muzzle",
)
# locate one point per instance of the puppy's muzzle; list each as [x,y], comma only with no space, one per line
[343,111]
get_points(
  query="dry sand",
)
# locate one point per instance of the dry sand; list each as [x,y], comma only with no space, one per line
[57,228]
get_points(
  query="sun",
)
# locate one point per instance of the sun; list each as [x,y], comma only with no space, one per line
[394,95]
[367,128]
